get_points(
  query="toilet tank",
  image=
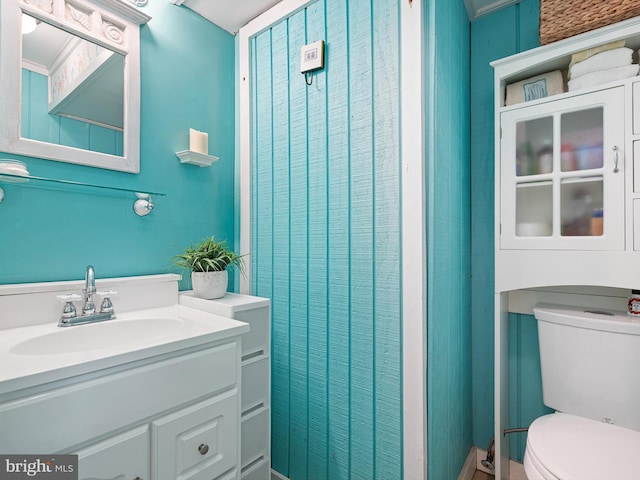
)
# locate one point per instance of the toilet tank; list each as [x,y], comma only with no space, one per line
[590,361]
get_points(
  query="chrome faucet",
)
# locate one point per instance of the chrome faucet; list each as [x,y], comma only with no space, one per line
[89,314]
[89,290]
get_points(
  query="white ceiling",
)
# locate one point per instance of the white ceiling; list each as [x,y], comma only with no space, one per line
[233,14]
[228,14]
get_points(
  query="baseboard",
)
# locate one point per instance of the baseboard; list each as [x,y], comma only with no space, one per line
[469,467]
[277,476]
[516,469]
[471,464]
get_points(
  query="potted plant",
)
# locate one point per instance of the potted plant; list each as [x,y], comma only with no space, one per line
[208,262]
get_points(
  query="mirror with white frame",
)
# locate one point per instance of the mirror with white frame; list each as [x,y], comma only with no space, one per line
[70,81]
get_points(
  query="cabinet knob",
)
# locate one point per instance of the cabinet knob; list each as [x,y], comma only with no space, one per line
[203,449]
[137,478]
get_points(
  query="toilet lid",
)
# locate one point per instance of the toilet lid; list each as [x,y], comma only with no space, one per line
[571,447]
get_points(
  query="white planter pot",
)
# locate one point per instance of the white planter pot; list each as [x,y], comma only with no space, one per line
[210,285]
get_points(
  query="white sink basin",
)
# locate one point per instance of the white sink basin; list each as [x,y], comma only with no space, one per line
[96,336]
[44,353]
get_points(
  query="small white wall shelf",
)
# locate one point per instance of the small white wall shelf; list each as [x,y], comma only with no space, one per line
[195,158]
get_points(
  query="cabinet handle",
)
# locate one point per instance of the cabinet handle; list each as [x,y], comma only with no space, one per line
[203,449]
[615,158]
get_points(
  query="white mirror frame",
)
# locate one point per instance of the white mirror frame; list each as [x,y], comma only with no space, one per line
[113,24]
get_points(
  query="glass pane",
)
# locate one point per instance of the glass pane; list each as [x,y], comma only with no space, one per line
[581,212]
[581,137]
[534,207]
[534,144]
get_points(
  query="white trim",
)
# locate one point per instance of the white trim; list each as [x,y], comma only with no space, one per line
[284,9]
[277,476]
[469,466]
[414,271]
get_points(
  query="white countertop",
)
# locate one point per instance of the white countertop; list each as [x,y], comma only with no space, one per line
[23,365]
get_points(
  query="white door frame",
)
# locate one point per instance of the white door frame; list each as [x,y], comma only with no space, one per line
[414,271]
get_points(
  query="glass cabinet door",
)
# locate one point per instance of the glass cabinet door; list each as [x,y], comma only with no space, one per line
[561,174]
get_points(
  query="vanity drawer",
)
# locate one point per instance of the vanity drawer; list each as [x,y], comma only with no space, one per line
[255,437]
[61,418]
[198,442]
[256,341]
[123,456]
[257,471]
[255,384]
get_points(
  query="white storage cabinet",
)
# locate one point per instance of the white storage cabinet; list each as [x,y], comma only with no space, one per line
[567,198]
[256,376]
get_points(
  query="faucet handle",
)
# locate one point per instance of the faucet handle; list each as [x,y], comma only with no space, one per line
[107,306]
[69,310]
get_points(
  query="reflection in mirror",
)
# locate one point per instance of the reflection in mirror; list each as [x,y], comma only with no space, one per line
[100,49]
[72,90]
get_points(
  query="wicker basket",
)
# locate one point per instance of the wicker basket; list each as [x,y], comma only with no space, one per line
[564,18]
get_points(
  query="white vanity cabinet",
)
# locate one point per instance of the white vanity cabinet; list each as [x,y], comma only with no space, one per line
[171,416]
[256,376]
[153,394]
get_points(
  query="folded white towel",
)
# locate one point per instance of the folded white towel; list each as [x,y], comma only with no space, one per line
[590,52]
[604,76]
[618,57]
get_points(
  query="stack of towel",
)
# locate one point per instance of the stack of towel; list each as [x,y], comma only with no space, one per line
[595,67]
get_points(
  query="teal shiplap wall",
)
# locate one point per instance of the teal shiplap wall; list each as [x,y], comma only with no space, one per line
[525,380]
[449,422]
[500,34]
[325,241]
[39,124]
[187,75]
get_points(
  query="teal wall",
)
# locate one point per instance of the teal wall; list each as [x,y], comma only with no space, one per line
[39,124]
[449,422]
[525,380]
[187,76]
[326,239]
[503,33]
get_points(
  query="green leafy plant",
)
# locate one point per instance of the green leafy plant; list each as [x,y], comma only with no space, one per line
[209,256]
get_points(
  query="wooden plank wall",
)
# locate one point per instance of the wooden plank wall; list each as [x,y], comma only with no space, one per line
[525,380]
[325,244]
[448,185]
[500,34]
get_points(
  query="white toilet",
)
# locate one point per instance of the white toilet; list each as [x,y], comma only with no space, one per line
[591,376]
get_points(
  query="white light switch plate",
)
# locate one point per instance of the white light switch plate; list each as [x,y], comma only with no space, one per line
[312,56]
